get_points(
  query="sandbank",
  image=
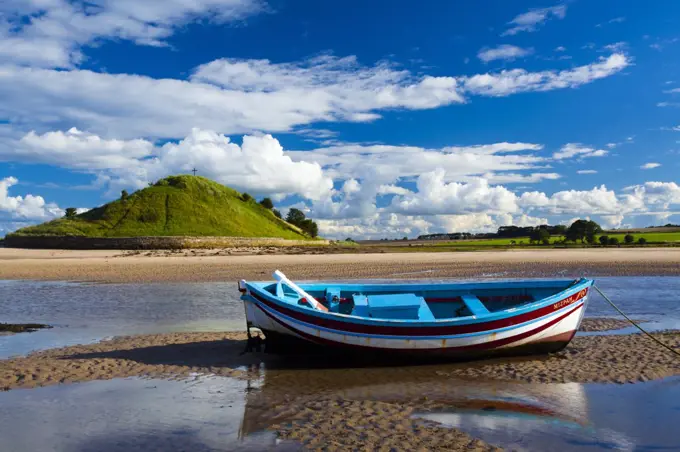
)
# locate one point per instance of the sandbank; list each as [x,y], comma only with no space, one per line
[609,358]
[219,265]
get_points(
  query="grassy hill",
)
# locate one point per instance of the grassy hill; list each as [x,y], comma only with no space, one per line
[174,206]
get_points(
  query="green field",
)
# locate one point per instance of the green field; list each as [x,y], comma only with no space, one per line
[174,206]
[651,237]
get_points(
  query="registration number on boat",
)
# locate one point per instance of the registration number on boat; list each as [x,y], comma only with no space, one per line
[571,299]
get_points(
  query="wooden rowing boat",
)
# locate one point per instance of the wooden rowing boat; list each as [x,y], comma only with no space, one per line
[418,319]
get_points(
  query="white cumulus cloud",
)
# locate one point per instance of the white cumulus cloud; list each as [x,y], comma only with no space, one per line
[51,33]
[534,19]
[577,150]
[242,96]
[503,52]
[657,194]
[29,207]
[79,150]
[435,196]
[650,165]
[514,81]
[387,163]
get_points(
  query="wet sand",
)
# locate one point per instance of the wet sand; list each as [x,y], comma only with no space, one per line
[11,328]
[339,424]
[324,403]
[604,324]
[614,358]
[216,265]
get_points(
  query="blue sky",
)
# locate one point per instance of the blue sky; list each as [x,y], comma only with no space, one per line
[380,120]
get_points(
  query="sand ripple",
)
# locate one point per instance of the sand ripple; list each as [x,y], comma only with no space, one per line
[619,359]
[603,324]
[339,424]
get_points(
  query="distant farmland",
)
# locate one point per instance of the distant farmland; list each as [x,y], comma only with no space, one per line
[650,234]
[643,230]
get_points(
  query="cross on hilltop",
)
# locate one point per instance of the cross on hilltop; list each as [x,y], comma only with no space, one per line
[194,171]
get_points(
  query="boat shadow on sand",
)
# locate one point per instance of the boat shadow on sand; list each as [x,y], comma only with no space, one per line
[232,354]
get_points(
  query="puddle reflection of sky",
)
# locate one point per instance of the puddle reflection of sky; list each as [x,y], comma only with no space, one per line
[618,417]
[212,413]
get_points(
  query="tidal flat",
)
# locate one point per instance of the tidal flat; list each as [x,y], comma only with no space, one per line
[161,366]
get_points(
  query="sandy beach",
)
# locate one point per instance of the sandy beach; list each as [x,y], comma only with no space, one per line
[324,403]
[218,265]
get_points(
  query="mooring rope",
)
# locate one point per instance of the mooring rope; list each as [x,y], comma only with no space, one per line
[635,323]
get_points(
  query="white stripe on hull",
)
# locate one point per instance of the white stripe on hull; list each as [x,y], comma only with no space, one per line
[568,324]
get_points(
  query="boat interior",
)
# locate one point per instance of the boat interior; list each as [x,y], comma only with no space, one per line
[420,302]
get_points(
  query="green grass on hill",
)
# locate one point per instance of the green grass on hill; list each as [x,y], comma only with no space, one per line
[174,206]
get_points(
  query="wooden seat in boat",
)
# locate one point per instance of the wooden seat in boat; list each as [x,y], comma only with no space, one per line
[474,304]
[392,306]
[360,306]
[424,312]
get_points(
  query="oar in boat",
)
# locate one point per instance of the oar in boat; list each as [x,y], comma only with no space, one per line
[281,278]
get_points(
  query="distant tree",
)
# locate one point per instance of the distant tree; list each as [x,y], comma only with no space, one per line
[405,238]
[533,236]
[245,197]
[591,238]
[267,203]
[539,235]
[276,213]
[604,240]
[350,239]
[314,229]
[629,239]
[124,195]
[513,242]
[581,229]
[613,241]
[560,229]
[295,216]
[71,213]
[642,241]
[310,227]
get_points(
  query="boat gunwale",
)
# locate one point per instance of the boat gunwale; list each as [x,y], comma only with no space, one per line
[492,316]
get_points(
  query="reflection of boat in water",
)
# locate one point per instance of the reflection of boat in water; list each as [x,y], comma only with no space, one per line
[521,408]
[423,320]
[281,394]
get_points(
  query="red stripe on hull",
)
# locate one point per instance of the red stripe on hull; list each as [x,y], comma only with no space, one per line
[446,330]
[462,349]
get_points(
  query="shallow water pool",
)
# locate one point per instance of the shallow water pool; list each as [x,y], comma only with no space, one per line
[222,414]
